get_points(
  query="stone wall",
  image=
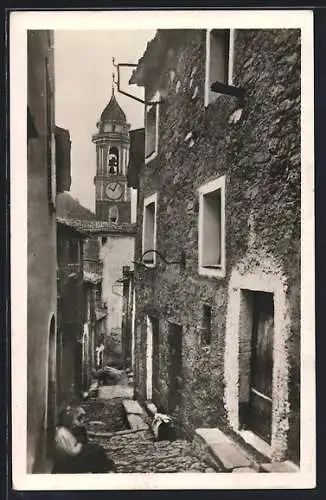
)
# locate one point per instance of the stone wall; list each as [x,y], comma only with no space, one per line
[260,156]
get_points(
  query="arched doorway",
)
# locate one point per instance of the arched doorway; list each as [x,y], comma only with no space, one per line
[51,392]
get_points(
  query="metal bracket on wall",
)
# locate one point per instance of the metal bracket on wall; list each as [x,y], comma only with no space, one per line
[181,262]
[118,284]
[117,83]
[222,88]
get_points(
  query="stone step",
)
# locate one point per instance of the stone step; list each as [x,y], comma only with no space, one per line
[224,451]
[136,422]
[286,466]
[132,407]
[244,469]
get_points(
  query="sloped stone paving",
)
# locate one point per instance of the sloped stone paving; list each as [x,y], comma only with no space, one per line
[138,452]
[105,415]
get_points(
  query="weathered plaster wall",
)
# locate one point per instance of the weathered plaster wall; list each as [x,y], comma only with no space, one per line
[41,248]
[118,251]
[260,156]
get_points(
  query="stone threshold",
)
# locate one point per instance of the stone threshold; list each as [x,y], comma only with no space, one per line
[227,454]
[232,457]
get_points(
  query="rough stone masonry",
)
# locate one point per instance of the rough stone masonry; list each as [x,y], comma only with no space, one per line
[260,157]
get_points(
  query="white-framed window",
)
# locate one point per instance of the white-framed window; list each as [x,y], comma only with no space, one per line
[219,60]
[149,229]
[211,228]
[152,116]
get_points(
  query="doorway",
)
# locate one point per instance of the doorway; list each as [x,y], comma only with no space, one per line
[175,366]
[51,392]
[149,359]
[156,357]
[261,366]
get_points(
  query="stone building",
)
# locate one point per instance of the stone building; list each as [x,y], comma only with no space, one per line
[115,250]
[48,172]
[71,312]
[90,321]
[218,301]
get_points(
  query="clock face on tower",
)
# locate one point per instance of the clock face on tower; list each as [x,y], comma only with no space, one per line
[113,190]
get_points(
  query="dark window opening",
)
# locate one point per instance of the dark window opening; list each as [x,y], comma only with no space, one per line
[151,139]
[113,214]
[218,70]
[149,232]
[206,326]
[73,251]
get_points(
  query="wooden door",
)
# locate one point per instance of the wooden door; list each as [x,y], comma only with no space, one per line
[175,366]
[261,380]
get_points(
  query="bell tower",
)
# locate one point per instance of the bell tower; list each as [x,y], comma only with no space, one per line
[113,197]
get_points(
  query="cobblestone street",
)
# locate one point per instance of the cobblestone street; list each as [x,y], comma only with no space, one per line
[136,451]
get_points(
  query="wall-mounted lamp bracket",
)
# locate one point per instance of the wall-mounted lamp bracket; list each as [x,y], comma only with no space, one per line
[222,88]
[117,83]
[181,262]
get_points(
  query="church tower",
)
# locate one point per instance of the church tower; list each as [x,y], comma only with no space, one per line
[113,197]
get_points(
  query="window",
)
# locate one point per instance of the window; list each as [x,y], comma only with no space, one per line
[206,329]
[219,60]
[151,128]
[149,229]
[73,251]
[211,246]
[113,214]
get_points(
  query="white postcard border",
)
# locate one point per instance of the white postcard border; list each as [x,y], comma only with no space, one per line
[81,20]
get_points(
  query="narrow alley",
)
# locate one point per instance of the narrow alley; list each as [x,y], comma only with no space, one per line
[136,450]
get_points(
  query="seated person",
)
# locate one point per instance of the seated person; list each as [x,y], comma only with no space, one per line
[79,424]
[74,455]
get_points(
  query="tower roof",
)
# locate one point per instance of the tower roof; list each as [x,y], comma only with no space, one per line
[113,111]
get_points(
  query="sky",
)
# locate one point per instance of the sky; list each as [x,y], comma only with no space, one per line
[83,86]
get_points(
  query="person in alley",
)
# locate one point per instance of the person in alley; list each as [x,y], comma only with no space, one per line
[73,453]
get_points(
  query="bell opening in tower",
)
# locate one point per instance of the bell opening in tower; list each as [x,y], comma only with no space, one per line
[113,160]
